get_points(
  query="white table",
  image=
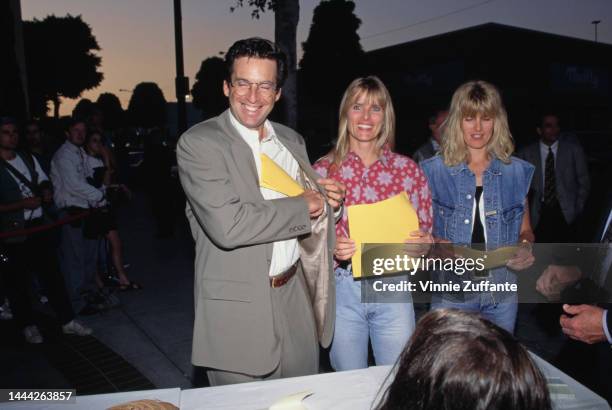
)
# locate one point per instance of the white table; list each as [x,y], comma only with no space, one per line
[585,398]
[101,401]
[351,390]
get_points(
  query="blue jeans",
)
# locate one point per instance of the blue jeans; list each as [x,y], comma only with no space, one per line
[502,313]
[78,258]
[389,325]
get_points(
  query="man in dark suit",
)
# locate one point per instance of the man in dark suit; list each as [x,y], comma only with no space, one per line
[560,185]
[593,324]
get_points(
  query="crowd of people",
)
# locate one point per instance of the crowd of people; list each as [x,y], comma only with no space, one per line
[60,241]
[265,266]
[273,272]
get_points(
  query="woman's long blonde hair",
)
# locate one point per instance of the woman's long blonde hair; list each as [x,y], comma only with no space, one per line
[471,98]
[375,91]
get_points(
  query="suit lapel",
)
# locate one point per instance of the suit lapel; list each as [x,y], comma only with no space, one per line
[243,155]
[537,161]
[561,161]
[241,152]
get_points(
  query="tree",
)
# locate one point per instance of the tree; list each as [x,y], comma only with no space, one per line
[12,81]
[147,107]
[332,58]
[207,91]
[111,108]
[286,18]
[60,60]
[83,110]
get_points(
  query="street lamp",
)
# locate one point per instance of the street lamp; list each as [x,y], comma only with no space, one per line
[595,23]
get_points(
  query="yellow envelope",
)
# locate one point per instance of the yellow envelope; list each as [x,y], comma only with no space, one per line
[492,259]
[275,178]
[388,221]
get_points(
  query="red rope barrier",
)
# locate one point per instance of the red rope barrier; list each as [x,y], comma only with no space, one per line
[35,229]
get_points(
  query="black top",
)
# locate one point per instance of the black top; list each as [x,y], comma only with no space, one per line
[97,180]
[478,237]
[478,231]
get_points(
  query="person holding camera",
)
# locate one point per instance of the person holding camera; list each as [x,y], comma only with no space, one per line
[100,171]
[25,190]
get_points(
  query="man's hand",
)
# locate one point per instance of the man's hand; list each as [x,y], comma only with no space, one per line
[32,202]
[523,258]
[315,202]
[336,191]
[555,278]
[345,248]
[586,324]
[419,243]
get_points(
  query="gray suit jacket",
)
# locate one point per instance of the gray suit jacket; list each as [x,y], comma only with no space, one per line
[234,228]
[572,178]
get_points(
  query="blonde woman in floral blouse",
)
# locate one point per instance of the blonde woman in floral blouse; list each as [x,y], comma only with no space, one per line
[363,161]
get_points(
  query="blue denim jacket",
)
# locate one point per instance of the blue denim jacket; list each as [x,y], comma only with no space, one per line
[505,188]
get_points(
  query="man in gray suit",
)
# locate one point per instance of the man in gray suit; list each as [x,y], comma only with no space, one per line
[560,185]
[264,290]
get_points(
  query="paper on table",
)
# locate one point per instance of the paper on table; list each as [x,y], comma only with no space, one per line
[275,178]
[559,390]
[388,221]
[291,402]
[492,259]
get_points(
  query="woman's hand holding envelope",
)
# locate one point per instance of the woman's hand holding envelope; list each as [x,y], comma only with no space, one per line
[523,258]
[418,244]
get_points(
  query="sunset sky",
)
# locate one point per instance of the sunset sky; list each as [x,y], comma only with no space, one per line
[136,37]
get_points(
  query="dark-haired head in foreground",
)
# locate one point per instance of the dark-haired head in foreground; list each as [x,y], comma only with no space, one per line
[457,360]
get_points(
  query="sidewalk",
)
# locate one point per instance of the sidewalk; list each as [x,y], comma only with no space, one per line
[152,328]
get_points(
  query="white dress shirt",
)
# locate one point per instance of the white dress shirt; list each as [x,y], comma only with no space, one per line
[284,253]
[69,177]
[543,155]
[20,166]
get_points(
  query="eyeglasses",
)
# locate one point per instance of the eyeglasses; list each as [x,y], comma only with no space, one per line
[264,88]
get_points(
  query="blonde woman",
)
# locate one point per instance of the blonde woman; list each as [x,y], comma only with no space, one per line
[363,161]
[479,196]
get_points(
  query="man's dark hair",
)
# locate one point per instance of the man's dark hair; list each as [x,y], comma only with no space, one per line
[457,360]
[434,114]
[72,121]
[7,121]
[547,113]
[257,47]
